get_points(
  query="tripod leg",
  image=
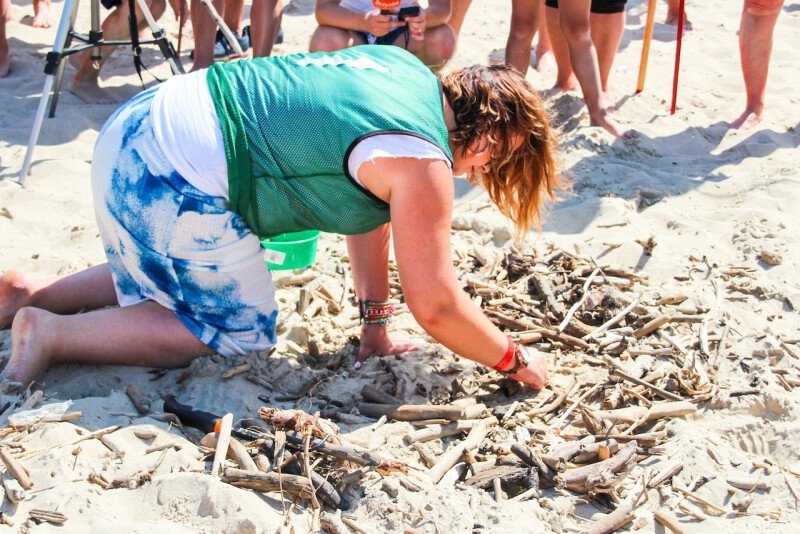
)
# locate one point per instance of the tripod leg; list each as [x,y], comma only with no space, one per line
[160,35]
[54,62]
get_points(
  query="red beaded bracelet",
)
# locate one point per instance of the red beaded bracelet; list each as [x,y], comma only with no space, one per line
[506,360]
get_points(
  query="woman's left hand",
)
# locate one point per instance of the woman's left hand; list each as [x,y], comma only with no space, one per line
[417,25]
[375,339]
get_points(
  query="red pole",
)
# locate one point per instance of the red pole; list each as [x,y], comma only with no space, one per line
[681,6]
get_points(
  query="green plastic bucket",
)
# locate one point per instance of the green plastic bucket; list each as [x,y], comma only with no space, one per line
[294,250]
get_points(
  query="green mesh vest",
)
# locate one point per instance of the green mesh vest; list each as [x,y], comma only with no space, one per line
[289,122]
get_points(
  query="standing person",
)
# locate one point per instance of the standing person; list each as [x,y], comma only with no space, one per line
[5,56]
[755,48]
[425,32]
[185,180]
[116,27]
[585,35]
[526,20]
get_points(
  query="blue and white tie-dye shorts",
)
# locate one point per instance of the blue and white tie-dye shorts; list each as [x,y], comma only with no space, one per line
[170,243]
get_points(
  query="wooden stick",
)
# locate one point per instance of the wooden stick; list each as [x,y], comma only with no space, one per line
[656,411]
[546,290]
[663,393]
[440,431]
[236,451]
[266,482]
[611,322]
[453,454]
[547,408]
[57,518]
[372,394]
[563,417]
[16,469]
[223,441]
[669,520]
[529,456]
[620,517]
[602,475]
[416,412]
[578,304]
[667,471]
[652,325]
[140,401]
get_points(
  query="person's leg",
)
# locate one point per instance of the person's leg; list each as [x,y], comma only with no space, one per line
[265,23]
[673,8]
[545,61]
[5,58]
[232,15]
[755,48]
[436,49]
[329,39]
[89,289]
[41,14]
[606,30]
[565,78]
[524,23]
[458,10]
[145,334]
[574,19]
[204,29]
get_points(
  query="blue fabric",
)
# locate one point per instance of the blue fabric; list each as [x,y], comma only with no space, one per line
[170,243]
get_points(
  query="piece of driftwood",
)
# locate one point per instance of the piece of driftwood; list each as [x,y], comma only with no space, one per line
[611,522]
[333,524]
[546,291]
[665,472]
[425,453]
[256,480]
[558,456]
[616,371]
[593,451]
[558,401]
[139,399]
[57,518]
[239,369]
[656,411]
[223,441]
[611,322]
[652,325]
[669,520]
[372,394]
[439,431]
[601,476]
[529,456]
[416,412]
[236,451]
[16,469]
[516,474]
[447,460]
[747,483]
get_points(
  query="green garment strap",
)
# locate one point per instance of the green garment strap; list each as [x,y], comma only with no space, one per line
[237,152]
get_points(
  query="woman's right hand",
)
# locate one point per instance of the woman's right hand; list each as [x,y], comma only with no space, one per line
[535,374]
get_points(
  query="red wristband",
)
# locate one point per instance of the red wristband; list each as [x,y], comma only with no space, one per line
[506,360]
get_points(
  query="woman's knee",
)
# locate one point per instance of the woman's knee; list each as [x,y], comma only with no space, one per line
[762,8]
[575,28]
[440,43]
[329,39]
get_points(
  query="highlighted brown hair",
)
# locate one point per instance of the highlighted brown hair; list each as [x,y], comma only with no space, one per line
[498,102]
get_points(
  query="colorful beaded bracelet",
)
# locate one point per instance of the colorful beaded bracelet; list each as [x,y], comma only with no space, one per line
[375,312]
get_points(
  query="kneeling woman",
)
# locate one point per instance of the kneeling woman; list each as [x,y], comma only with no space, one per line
[188,175]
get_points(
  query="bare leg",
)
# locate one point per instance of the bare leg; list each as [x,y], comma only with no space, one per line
[436,49]
[145,334]
[673,8]
[755,48]
[265,23]
[89,289]
[606,32]
[330,39]
[41,14]
[204,28]
[5,58]
[524,23]
[115,27]
[233,15]
[574,18]
[458,11]
[545,61]
[565,78]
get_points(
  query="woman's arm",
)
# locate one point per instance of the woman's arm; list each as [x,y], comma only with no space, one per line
[421,199]
[369,263]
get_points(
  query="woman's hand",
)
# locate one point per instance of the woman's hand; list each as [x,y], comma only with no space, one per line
[375,339]
[535,374]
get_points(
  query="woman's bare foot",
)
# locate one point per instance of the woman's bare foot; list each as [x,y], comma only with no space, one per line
[546,62]
[611,126]
[29,346]
[41,14]
[15,293]
[747,120]
[672,20]
[562,86]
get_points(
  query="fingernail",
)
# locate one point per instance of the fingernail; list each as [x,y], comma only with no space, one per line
[357,365]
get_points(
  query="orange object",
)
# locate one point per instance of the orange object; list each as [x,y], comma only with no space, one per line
[648,36]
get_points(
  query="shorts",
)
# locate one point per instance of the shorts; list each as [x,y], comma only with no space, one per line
[602,7]
[111,4]
[387,39]
[169,243]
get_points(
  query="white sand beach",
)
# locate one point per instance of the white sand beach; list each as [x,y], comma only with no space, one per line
[716,202]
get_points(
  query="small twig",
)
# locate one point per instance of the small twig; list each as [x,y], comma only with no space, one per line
[611,322]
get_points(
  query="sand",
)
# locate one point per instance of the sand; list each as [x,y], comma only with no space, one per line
[712,198]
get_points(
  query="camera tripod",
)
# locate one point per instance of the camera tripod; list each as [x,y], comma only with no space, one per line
[62,49]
